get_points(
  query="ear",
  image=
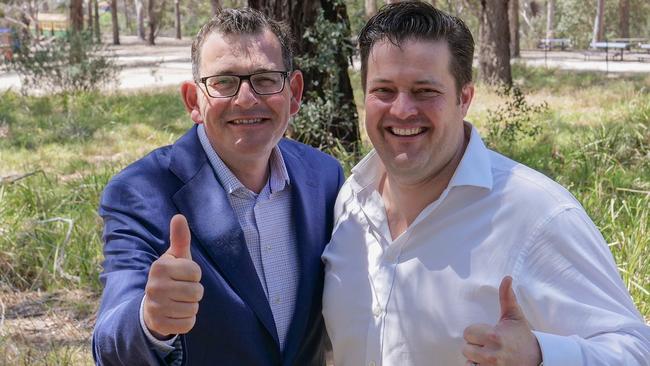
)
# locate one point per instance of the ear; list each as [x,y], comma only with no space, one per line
[466,96]
[296,84]
[189,94]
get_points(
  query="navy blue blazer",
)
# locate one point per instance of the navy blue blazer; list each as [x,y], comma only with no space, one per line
[234,324]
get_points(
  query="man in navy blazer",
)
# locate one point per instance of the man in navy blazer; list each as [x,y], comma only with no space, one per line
[213,244]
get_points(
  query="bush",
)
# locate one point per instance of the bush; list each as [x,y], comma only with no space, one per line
[514,120]
[326,121]
[63,64]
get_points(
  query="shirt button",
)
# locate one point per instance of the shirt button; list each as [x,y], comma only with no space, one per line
[372,363]
[277,299]
[268,248]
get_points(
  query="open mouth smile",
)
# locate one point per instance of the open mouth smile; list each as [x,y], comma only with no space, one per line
[408,132]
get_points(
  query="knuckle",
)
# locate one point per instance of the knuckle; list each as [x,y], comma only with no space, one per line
[194,308]
[494,337]
[187,325]
[199,292]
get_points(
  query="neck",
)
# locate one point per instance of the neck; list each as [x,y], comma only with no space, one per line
[405,200]
[253,175]
[252,172]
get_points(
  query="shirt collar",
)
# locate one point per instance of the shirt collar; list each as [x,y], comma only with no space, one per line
[278,179]
[474,169]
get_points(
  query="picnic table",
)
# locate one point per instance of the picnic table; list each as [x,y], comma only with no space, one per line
[549,43]
[618,47]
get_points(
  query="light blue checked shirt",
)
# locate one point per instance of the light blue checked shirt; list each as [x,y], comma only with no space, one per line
[265,219]
[269,231]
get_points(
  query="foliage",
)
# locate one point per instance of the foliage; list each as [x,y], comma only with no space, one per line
[323,107]
[69,63]
[514,120]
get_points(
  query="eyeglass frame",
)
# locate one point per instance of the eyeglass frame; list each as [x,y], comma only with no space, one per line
[243,78]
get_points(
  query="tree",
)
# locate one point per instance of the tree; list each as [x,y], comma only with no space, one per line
[127,19]
[177,18]
[215,5]
[90,15]
[599,28]
[155,16]
[76,15]
[115,24]
[370,7]
[494,43]
[550,18]
[139,18]
[624,18]
[330,87]
[513,17]
[98,36]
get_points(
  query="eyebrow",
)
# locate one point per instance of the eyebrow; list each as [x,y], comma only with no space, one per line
[417,82]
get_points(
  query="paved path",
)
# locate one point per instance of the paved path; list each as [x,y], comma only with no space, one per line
[168,63]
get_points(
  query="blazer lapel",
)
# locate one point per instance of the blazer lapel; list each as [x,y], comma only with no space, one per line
[309,223]
[215,227]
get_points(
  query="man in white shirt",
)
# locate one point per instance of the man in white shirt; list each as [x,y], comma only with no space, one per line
[447,253]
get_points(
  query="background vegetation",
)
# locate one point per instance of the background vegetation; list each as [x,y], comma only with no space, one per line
[59,151]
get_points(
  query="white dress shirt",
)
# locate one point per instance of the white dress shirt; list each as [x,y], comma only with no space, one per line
[407,301]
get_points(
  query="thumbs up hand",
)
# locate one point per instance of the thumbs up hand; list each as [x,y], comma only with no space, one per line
[509,342]
[173,290]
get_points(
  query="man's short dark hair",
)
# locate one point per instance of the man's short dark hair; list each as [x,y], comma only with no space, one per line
[242,21]
[410,20]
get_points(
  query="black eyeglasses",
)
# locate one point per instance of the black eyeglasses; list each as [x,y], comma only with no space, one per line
[263,83]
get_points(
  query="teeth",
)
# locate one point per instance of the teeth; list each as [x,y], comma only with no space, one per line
[406,131]
[246,121]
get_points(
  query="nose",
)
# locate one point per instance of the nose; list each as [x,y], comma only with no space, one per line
[246,96]
[403,106]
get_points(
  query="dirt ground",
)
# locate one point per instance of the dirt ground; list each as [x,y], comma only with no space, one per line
[38,328]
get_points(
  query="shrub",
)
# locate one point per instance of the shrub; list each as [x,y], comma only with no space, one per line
[69,63]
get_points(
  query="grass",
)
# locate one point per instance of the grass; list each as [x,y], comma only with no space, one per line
[58,152]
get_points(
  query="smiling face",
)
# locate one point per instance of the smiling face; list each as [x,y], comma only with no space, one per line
[414,117]
[246,126]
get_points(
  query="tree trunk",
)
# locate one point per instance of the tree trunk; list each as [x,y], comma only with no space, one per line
[598,22]
[177,13]
[216,6]
[127,19]
[116,26]
[152,22]
[371,8]
[513,17]
[139,16]
[90,16]
[550,18]
[98,35]
[76,15]
[494,43]
[301,14]
[155,16]
[624,18]
[433,2]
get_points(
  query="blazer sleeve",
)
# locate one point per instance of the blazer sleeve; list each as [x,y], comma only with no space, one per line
[132,232]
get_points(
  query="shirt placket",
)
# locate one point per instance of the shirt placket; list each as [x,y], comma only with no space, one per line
[381,277]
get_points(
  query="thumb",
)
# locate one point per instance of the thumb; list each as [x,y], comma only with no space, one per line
[510,309]
[179,238]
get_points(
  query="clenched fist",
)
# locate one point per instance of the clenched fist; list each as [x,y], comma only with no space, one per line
[173,289]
